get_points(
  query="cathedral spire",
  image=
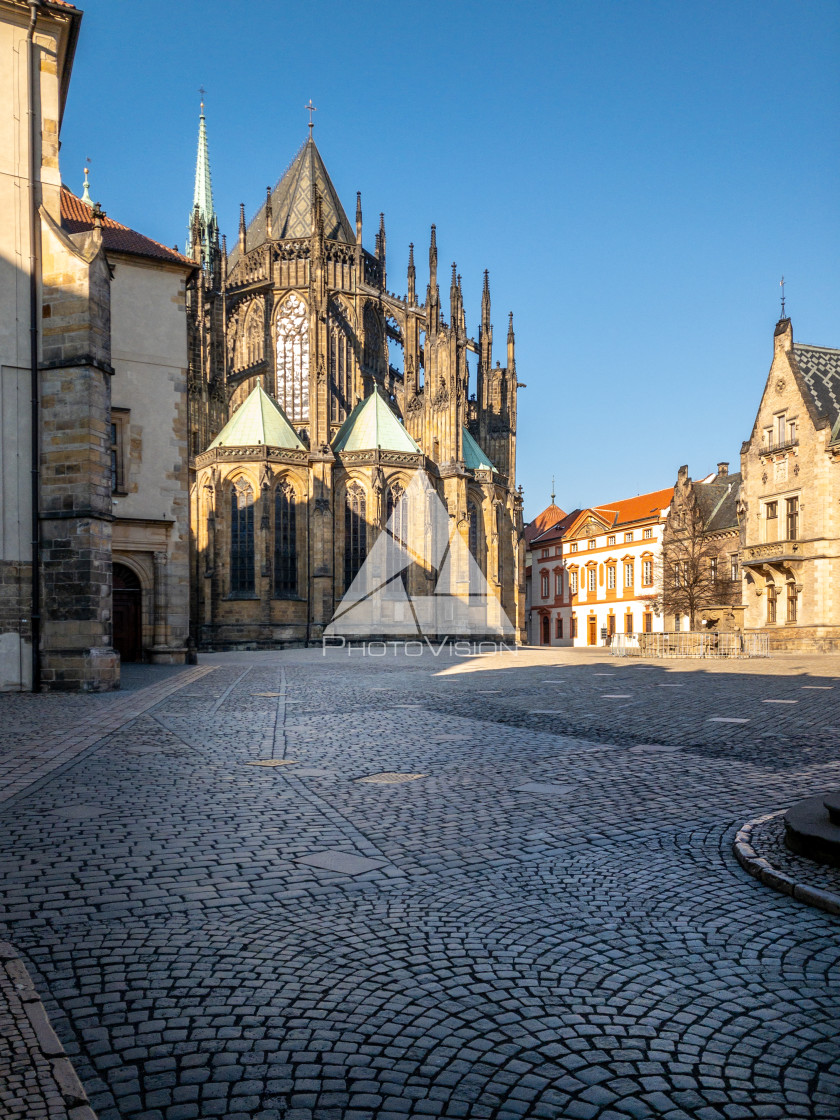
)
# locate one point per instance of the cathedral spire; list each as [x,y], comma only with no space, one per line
[485,334]
[203,191]
[358,217]
[86,192]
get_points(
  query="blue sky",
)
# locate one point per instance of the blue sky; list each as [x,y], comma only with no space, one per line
[636,176]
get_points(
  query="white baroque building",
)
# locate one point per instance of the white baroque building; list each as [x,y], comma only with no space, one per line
[595,572]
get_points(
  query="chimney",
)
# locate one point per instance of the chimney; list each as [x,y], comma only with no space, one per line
[723,470]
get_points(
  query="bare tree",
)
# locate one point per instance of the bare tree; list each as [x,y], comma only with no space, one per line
[691,575]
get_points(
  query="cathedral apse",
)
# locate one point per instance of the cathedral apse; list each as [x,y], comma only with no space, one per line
[317,394]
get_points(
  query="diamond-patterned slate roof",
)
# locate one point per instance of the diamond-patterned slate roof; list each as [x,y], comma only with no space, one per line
[77,217]
[258,420]
[820,369]
[373,425]
[291,204]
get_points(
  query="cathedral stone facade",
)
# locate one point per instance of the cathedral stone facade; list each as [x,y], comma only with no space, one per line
[316,395]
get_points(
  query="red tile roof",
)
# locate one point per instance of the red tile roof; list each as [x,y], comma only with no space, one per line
[638,508]
[76,216]
[545,520]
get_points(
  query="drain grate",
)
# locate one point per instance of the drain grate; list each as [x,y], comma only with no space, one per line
[272,762]
[390,778]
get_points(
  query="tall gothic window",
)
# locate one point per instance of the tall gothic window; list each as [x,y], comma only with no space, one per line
[374,350]
[241,539]
[355,532]
[341,364]
[254,336]
[472,517]
[500,542]
[398,538]
[293,360]
[285,542]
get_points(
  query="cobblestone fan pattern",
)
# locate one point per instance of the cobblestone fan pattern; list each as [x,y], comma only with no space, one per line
[546,925]
[768,840]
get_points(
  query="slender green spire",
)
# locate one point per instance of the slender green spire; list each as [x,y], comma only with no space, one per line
[203,193]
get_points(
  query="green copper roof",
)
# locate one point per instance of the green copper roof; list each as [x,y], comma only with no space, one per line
[373,425]
[259,420]
[474,457]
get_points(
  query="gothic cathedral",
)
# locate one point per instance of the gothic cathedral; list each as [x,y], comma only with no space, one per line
[316,395]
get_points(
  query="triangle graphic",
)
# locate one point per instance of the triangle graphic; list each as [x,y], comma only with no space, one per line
[420,544]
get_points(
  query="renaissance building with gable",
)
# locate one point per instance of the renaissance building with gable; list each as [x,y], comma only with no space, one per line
[316,395]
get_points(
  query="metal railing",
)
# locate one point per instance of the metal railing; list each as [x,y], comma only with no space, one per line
[693,643]
[779,444]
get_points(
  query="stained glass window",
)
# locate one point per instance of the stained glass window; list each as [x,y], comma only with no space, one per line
[241,539]
[293,359]
[285,542]
[397,507]
[355,532]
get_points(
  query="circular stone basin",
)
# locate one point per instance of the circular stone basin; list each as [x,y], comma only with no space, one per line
[812,828]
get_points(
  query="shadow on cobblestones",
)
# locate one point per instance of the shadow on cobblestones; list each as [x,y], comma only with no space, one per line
[554,927]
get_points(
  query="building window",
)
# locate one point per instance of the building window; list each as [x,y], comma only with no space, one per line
[792,518]
[677,623]
[611,540]
[771,604]
[611,577]
[628,537]
[647,534]
[771,510]
[397,534]
[591,577]
[341,363]
[558,627]
[573,633]
[573,547]
[241,539]
[573,583]
[628,623]
[117,449]
[500,546]
[733,568]
[285,542]
[593,543]
[293,360]
[791,602]
[543,554]
[544,585]
[355,532]
[195,446]
[628,574]
[558,584]
[713,569]
[647,572]
[648,622]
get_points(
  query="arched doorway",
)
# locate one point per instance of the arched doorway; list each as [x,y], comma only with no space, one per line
[127,614]
[546,630]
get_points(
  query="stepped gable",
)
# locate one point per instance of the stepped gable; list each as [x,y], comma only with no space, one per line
[372,425]
[258,420]
[77,217]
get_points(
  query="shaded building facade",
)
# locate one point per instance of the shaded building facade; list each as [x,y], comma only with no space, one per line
[355,388]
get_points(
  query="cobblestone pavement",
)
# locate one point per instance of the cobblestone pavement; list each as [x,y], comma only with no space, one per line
[549,922]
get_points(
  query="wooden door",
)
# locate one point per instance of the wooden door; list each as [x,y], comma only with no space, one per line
[592,637]
[546,630]
[127,614]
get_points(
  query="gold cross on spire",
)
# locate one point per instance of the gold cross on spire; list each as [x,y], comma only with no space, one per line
[202,91]
[311,109]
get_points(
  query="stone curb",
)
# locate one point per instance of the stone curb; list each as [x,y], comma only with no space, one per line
[766,873]
[66,1080]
